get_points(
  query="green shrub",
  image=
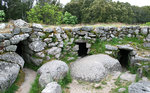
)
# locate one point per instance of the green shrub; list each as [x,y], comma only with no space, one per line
[48,14]
[69,19]
[2,15]
[148,23]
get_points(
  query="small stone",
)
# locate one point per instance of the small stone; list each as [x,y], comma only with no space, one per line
[97,85]
[16,31]
[26,30]
[121,90]
[34,25]
[52,87]
[49,30]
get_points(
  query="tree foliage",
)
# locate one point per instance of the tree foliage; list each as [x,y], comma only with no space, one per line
[49,14]
[69,19]
[92,11]
[2,15]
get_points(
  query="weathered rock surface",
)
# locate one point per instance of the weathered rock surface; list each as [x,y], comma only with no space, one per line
[8,74]
[37,46]
[2,26]
[94,68]
[52,87]
[12,57]
[45,79]
[110,47]
[56,68]
[139,87]
[125,47]
[128,77]
[17,38]
[20,23]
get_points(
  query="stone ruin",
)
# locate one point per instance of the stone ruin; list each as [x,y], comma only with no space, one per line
[34,44]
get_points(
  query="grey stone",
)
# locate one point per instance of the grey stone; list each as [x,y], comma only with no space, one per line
[56,68]
[2,37]
[52,87]
[53,51]
[7,35]
[144,30]
[76,29]
[11,48]
[133,53]
[49,30]
[8,74]
[40,54]
[26,30]
[44,79]
[20,23]
[36,61]
[12,57]
[146,45]
[87,28]
[41,34]
[125,47]
[37,46]
[148,38]
[17,38]
[59,30]
[48,40]
[97,67]
[137,31]
[121,90]
[6,43]
[39,26]
[139,87]
[128,77]
[2,26]
[110,47]
[48,58]
[16,31]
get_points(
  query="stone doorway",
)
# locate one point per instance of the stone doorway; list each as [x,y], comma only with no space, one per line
[124,57]
[82,49]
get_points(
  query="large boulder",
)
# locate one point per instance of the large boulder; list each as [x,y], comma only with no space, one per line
[8,74]
[56,68]
[52,87]
[139,87]
[12,57]
[94,68]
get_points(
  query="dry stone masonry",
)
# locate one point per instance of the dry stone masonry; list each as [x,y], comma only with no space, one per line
[34,44]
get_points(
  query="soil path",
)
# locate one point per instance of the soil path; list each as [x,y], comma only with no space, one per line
[30,76]
[80,87]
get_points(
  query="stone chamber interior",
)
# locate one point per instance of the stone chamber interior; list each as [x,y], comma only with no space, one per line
[20,48]
[123,57]
[82,49]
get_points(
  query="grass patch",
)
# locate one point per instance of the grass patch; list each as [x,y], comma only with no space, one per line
[65,81]
[121,86]
[14,87]
[35,86]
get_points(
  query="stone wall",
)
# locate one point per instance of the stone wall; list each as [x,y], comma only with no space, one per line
[36,44]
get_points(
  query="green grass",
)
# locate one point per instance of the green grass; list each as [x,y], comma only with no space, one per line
[65,81]
[119,85]
[14,87]
[99,46]
[35,86]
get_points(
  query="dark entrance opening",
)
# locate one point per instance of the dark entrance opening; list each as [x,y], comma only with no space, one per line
[123,57]
[20,49]
[82,49]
